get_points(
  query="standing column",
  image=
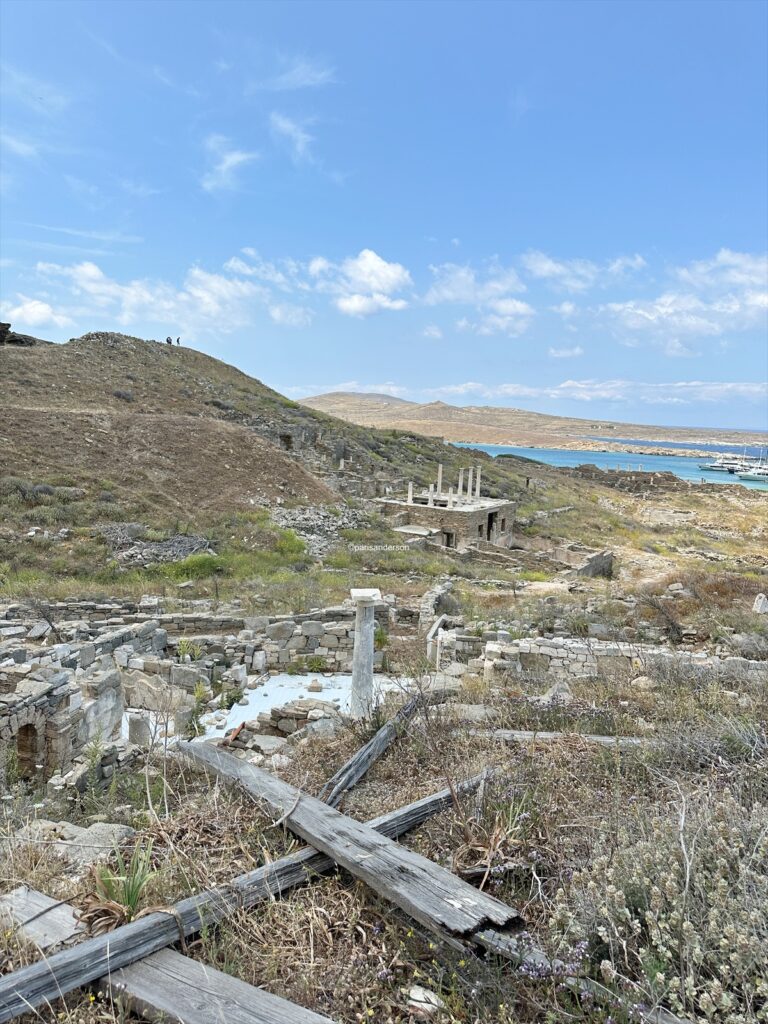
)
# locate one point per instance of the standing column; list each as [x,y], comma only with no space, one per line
[410,492]
[469,483]
[439,479]
[431,498]
[361,699]
[477,482]
[450,497]
[461,485]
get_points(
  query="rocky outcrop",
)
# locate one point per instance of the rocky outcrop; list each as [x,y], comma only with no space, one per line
[9,337]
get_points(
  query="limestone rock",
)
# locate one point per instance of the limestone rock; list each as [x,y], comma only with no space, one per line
[558,693]
[644,683]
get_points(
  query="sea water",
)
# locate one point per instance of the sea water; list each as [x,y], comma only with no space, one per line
[682,466]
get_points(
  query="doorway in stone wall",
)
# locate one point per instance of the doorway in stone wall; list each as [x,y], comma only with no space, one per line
[27,751]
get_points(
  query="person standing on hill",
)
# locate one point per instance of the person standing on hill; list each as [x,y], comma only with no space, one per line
[169,340]
[178,341]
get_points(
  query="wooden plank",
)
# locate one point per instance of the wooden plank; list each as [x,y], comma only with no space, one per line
[356,767]
[527,736]
[431,895]
[41,920]
[43,982]
[173,989]
[166,986]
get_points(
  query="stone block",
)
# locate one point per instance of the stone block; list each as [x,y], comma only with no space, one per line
[312,628]
[140,730]
[185,676]
[280,630]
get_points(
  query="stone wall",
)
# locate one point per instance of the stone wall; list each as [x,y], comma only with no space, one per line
[582,658]
[467,524]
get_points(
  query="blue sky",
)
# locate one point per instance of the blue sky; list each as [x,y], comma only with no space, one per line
[556,206]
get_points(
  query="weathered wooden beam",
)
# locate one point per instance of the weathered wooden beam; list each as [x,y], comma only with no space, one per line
[531,736]
[345,840]
[165,987]
[431,895]
[356,767]
[45,981]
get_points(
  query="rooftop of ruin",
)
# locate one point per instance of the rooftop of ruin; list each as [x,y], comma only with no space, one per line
[464,497]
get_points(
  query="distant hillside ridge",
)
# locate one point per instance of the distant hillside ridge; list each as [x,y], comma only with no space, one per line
[486,424]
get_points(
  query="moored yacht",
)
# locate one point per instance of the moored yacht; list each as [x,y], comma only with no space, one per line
[759,472]
[730,464]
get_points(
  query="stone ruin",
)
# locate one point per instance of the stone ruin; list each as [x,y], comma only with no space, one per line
[122,674]
[460,519]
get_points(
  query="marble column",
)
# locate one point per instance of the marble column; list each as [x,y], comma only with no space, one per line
[431,498]
[477,482]
[439,479]
[410,492]
[361,699]
[461,485]
[469,483]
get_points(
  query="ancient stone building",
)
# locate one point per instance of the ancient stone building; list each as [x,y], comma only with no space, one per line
[454,517]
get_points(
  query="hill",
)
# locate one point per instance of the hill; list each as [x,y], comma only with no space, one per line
[498,425]
[188,432]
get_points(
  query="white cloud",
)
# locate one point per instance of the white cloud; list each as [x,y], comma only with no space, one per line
[498,312]
[319,265]
[566,353]
[138,189]
[33,93]
[19,147]
[362,284]
[97,236]
[624,391]
[724,294]
[565,309]
[578,275]
[369,272]
[34,313]
[675,349]
[686,313]
[727,270]
[432,331]
[364,305]
[298,138]
[288,315]
[459,284]
[572,275]
[299,73]
[264,270]
[622,264]
[225,160]
[205,300]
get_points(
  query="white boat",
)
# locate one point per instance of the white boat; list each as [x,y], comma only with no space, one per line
[757,473]
[730,464]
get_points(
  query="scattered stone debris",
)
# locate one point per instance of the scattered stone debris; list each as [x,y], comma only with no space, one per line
[760,607]
[319,526]
[79,846]
[131,549]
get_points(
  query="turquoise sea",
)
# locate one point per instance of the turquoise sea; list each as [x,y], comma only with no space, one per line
[683,466]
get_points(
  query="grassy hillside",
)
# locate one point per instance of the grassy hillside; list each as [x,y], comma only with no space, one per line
[110,429]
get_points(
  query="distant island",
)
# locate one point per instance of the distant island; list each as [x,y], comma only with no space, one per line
[486,424]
